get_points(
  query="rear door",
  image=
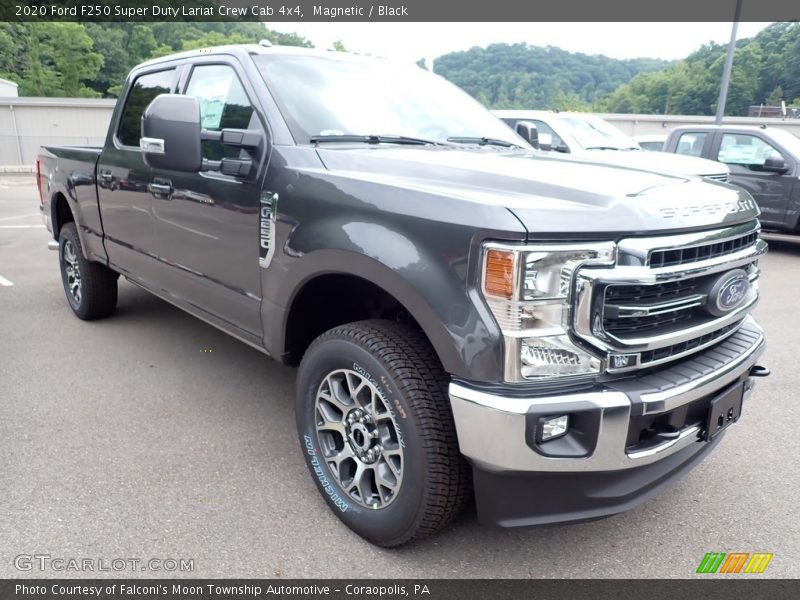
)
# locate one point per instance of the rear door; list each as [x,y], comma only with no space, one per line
[208,223]
[126,204]
[745,154]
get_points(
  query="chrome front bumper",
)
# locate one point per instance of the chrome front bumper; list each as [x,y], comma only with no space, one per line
[494,431]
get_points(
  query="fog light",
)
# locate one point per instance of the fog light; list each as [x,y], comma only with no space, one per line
[553,427]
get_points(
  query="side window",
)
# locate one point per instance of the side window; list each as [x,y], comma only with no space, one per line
[745,150]
[223,105]
[144,90]
[544,128]
[691,144]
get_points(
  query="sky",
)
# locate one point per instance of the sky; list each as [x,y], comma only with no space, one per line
[409,42]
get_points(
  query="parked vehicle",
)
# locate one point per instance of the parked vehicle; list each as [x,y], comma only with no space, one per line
[763,160]
[558,337]
[651,142]
[586,135]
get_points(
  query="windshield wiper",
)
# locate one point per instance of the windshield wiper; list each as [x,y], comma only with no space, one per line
[608,148]
[374,139]
[483,141]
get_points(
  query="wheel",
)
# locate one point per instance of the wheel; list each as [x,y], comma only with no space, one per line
[91,288]
[377,432]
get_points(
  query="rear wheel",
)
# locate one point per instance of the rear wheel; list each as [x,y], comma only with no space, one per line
[377,432]
[91,288]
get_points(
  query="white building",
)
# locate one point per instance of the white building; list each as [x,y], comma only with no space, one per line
[8,89]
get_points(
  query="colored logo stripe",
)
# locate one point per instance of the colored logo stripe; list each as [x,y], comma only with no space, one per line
[711,562]
[758,563]
[735,562]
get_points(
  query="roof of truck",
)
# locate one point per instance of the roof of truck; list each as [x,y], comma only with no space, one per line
[256,49]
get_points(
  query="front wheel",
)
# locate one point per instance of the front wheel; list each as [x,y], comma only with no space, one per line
[377,433]
[91,288]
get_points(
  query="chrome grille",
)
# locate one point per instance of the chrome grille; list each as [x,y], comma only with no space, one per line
[637,309]
[693,254]
[651,307]
[718,177]
[666,353]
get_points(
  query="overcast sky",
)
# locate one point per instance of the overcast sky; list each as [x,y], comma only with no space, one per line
[412,41]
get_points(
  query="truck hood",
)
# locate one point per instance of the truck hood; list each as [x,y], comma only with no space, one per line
[661,162]
[549,194]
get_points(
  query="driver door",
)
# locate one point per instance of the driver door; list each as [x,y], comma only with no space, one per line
[207,222]
[745,155]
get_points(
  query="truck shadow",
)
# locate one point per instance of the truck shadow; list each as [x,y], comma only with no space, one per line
[232,389]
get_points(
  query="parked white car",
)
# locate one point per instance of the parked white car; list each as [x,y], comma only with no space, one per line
[651,142]
[585,134]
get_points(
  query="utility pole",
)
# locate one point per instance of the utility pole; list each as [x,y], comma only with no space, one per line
[726,71]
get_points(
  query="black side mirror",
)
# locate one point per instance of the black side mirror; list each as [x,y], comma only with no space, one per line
[775,165]
[172,139]
[528,132]
[171,134]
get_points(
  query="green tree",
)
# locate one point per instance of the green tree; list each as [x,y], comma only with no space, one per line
[69,49]
[338,45]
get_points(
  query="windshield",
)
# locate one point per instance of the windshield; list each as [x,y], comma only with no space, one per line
[592,133]
[789,141]
[347,95]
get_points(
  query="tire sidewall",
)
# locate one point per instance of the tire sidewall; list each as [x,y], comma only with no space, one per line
[405,510]
[68,234]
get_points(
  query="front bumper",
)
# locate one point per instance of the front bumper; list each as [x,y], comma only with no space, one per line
[600,468]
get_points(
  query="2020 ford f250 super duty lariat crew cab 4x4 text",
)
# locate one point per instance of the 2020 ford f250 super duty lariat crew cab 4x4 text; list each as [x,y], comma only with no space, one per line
[560,337]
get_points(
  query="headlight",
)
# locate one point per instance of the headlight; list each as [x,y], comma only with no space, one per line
[529,290]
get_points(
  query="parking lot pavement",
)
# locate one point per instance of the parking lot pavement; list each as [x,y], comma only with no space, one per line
[153,435]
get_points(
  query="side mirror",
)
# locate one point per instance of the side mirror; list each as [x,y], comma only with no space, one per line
[528,132]
[545,141]
[171,134]
[775,165]
[172,139]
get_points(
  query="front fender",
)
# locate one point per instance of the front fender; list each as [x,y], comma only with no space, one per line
[435,293]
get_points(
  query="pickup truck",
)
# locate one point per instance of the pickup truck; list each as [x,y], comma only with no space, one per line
[556,338]
[581,134]
[763,160]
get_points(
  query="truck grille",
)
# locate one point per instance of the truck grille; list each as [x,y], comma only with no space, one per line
[637,309]
[693,254]
[660,302]
[718,177]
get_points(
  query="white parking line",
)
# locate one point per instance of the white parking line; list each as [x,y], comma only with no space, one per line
[5,282]
[18,217]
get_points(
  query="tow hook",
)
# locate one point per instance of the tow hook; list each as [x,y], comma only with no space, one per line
[759,371]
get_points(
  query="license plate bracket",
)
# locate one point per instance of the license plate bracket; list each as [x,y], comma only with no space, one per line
[724,410]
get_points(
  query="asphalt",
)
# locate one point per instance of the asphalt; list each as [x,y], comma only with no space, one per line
[153,435]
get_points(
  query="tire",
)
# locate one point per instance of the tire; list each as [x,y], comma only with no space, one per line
[91,288]
[416,481]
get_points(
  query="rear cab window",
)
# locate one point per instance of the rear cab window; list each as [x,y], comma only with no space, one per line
[143,91]
[691,143]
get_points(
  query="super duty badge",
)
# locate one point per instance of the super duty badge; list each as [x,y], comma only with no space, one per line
[267,212]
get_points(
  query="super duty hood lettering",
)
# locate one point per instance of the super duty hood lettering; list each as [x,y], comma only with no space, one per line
[544,192]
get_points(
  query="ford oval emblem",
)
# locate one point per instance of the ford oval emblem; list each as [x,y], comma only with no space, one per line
[728,292]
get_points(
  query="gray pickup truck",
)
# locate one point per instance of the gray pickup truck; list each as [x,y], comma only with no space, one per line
[765,161]
[555,337]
